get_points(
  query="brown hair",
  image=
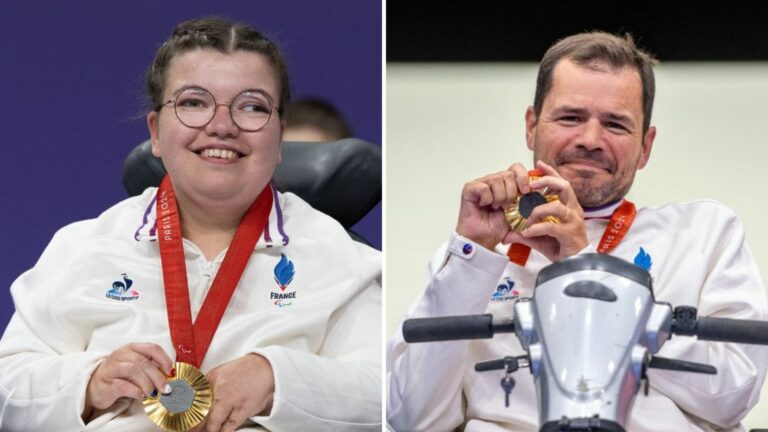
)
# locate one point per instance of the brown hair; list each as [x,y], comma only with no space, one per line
[596,47]
[318,114]
[223,36]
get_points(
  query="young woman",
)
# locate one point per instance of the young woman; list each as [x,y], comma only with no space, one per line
[214,271]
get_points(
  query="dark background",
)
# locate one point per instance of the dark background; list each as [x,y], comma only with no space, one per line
[495,31]
[72,98]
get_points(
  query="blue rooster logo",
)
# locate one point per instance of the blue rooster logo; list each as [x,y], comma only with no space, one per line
[643,260]
[119,287]
[121,290]
[284,272]
[505,291]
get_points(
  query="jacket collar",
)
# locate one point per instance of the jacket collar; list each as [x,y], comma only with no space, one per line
[603,212]
[274,233]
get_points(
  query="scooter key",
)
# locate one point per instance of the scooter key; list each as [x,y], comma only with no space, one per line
[507,384]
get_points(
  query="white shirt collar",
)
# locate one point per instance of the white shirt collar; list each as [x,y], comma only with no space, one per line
[603,212]
[274,233]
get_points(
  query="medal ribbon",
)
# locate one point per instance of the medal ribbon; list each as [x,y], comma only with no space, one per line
[617,228]
[190,340]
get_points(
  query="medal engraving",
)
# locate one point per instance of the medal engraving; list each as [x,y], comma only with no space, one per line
[530,201]
[187,404]
[518,213]
[180,398]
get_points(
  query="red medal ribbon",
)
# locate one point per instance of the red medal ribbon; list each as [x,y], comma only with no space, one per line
[518,253]
[617,228]
[190,340]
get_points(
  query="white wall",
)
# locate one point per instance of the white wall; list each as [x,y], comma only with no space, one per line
[447,124]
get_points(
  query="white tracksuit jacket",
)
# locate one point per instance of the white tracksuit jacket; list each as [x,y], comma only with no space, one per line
[77,305]
[698,258]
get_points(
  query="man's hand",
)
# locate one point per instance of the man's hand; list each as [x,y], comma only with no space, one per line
[242,389]
[556,241]
[131,371]
[481,216]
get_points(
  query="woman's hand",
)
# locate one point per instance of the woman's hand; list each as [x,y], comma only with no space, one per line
[242,389]
[131,371]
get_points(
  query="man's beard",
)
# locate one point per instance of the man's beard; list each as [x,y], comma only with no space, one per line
[595,195]
[590,195]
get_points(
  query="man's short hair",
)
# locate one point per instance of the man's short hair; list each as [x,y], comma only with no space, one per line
[317,114]
[599,48]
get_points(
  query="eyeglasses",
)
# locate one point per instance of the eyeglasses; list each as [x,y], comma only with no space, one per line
[195,107]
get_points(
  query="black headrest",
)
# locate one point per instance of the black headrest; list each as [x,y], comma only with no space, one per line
[340,178]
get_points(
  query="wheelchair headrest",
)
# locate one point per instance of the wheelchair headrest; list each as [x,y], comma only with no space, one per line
[340,178]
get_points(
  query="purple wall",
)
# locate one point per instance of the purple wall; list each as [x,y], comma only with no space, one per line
[71,87]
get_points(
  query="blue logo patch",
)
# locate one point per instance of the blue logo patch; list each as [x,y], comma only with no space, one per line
[121,290]
[643,260]
[505,291]
[284,272]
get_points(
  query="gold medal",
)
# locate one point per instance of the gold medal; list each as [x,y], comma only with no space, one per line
[518,213]
[187,404]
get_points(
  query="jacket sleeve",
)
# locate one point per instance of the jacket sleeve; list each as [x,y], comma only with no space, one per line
[44,370]
[424,383]
[338,388]
[732,288]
